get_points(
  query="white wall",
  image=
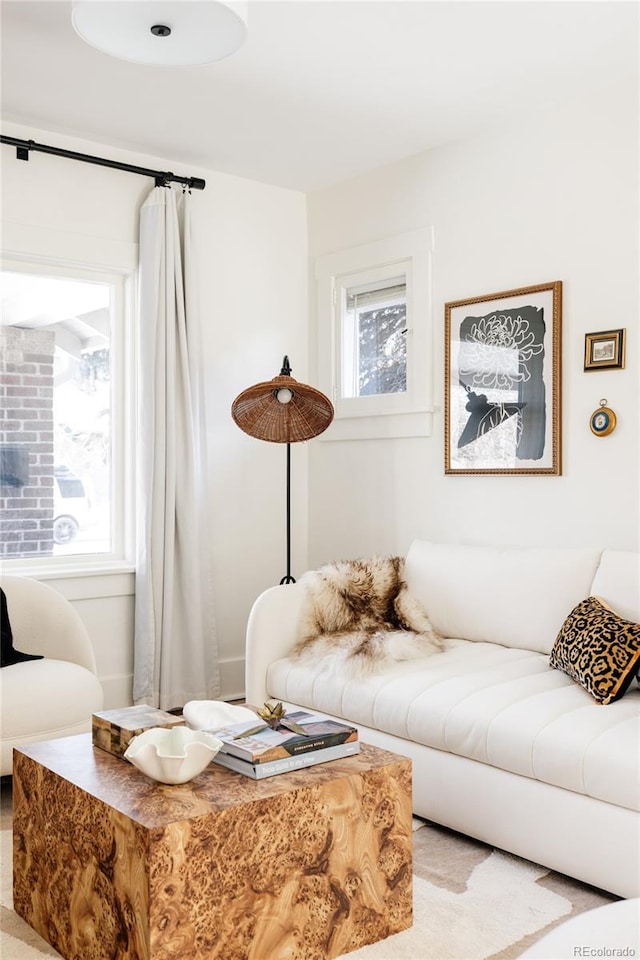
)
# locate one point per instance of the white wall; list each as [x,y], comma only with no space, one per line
[554,199]
[253,262]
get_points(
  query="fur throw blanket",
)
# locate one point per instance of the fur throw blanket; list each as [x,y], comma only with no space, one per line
[361,617]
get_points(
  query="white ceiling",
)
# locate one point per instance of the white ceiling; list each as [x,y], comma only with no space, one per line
[323,89]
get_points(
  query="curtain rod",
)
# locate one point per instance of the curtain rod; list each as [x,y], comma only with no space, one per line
[161,178]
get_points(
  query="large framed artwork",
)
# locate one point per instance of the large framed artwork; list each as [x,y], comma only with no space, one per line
[502,382]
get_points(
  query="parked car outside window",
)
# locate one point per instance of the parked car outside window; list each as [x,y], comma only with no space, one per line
[71,505]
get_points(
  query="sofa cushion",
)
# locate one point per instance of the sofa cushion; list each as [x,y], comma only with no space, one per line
[617,582]
[598,649]
[495,704]
[515,596]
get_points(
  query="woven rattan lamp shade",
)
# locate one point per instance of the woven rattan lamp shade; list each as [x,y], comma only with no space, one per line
[259,413]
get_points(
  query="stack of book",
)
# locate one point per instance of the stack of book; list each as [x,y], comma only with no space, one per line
[267,752]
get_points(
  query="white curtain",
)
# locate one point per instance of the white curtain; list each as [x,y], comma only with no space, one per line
[175,654]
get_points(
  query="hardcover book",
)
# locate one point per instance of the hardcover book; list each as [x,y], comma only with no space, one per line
[258,771]
[265,745]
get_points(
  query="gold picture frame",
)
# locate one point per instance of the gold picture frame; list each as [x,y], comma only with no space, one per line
[605,350]
[502,382]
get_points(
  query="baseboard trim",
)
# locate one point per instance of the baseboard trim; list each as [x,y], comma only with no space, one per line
[118,687]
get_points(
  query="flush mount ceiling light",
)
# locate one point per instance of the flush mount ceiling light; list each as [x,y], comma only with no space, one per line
[161,33]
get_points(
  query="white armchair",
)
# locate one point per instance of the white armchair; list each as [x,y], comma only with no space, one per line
[48,698]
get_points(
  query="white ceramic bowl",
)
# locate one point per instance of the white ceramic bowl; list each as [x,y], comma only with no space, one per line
[175,755]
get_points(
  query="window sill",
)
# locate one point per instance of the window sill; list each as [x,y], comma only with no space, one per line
[89,580]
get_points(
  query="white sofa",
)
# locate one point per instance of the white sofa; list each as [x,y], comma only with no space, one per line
[48,698]
[504,748]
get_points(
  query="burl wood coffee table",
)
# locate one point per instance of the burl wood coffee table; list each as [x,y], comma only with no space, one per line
[302,866]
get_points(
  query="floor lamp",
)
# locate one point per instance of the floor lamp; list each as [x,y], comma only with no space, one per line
[283,411]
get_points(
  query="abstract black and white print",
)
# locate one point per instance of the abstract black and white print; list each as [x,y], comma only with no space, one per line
[502,382]
[500,369]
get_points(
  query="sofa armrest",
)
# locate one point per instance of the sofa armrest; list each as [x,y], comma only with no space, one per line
[272,631]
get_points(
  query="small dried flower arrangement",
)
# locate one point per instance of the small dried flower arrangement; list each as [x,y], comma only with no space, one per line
[274,716]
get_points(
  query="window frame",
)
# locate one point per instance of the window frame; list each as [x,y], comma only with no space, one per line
[405,414]
[121,349]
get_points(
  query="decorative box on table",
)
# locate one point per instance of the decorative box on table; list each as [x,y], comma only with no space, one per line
[113,730]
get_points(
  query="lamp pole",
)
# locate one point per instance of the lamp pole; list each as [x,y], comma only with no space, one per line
[288,578]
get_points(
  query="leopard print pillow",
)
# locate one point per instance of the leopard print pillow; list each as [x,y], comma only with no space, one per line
[598,649]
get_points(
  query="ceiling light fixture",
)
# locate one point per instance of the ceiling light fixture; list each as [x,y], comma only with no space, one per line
[160,33]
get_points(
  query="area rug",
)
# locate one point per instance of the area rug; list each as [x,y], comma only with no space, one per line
[471,902]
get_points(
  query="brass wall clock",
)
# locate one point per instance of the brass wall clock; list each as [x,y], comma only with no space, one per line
[603,420]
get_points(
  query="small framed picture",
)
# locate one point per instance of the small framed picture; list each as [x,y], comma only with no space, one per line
[604,350]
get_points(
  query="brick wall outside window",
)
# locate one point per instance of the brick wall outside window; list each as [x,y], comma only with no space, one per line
[26,424]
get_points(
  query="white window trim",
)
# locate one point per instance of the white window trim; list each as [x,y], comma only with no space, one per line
[118,270]
[409,414]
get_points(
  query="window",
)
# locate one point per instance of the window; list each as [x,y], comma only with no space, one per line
[61,442]
[374,327]
[374,339]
